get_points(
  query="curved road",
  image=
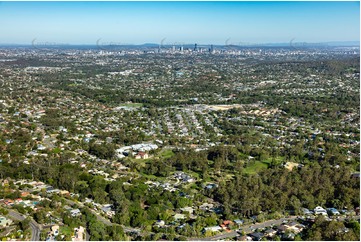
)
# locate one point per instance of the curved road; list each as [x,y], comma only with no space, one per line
[35,227]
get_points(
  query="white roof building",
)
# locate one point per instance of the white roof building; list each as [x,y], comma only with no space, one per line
[213,228]
[320,210]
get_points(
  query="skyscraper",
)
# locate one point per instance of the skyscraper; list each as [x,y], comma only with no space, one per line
[211,49]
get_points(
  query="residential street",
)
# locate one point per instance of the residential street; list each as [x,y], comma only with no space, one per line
[248,228]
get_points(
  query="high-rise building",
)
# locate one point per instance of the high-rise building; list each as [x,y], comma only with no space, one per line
[211,49]
[195,47]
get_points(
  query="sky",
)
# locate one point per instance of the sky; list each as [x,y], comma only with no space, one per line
[178,22]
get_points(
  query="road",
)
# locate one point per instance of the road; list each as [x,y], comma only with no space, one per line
[247,229]
[87,236]
[35,227]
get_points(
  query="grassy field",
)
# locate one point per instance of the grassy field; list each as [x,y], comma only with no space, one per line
[256,166]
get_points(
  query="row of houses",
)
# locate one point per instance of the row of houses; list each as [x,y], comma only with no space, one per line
[107,209]
[286,231]
[319,210]
[225,226]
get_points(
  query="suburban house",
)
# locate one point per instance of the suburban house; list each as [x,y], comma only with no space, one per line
[206,206]
[333,211]
[320,210]
[160,223]
[78,234]
[225,225]
[238,222]
[4,222]
[25,194]
[213,229]
[183,177]
[270,233]
[55,230]
[75,212]
[9,202]
[305,211]
[356,175]
[108,210]
[211,185]
[257,236]
[282,228]
[244,238]
[179,216]
[142,155]
[187,210]
[294,227]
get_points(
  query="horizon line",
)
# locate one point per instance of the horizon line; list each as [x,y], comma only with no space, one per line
[52,43]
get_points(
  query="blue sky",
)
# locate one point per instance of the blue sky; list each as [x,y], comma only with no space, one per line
[182,22]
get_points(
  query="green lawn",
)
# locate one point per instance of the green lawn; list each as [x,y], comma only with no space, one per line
[166,154]
[66,230]
[255,167]
[278,160]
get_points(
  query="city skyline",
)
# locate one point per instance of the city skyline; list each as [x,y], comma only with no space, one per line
[219,23]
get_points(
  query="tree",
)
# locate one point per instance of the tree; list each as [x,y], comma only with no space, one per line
[295,204]
[97,230]
[260,218]
[298,237]
[40,216]
[103,151]
[355,226]
[276,238]
[115,232]
[25,224]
